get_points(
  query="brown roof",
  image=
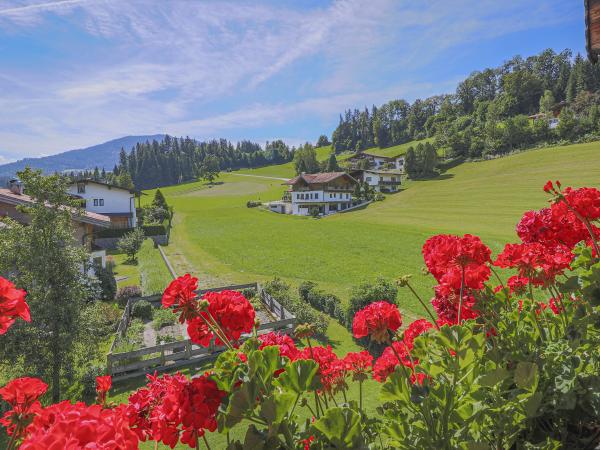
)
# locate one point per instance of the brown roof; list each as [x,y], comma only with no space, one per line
[592,29]
[7,196]
[319,178]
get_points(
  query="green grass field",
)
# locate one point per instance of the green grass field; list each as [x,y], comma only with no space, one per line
[396,150]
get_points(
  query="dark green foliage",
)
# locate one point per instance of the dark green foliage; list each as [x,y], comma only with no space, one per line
[177,160]
[148,230]
[327,303]
[88,381]
[108,284]
[131,243]
[159,200]
[332,164]
[305,160]
[369,292]
[163,317]
[304,313]
[127,292]
[487,113]
[253,204]
[323,141]
[142,310]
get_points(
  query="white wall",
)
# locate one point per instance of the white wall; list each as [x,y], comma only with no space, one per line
[115,200]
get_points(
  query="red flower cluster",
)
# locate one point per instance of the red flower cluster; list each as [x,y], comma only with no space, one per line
[230,309]
[286,344]
[447,257]
[22,395]
[359,364]
[446,304]
[387,362]
[539,263]
[171,409]
[74,426]
[332,370]
[586,201]
[416,328]
[377,320]
[12,305]
[103,385]
[181,293]
[517,285]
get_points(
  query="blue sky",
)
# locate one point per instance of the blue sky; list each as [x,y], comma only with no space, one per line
[75,73]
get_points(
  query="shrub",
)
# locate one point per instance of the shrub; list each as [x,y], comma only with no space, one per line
[249,293]
[281,291]
[326,303]
[131,243]
[163,317]
[102,318]
[253,204]
[108,284]
[369,292]
[142,310]
[127,292]
[88,381]
[379,197]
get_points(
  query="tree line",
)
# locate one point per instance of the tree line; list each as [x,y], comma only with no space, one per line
[488,112]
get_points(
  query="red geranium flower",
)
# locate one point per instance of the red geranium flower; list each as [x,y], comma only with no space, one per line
[539,263]
[103,385]
[181,294]
[286,344]
[359,363]
[73,426]
[517,285]
[446,303]
[234,314]
[377,320]
[586,201]
[387,362]
[447,257]
[12,305]
[416,328]
[332,370]
[22,395]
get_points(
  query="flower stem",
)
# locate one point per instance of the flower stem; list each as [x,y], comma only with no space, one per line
[462,288]
[360,395]
[205,442]
[423,304]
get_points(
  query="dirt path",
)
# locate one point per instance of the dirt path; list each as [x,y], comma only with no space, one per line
[258,176]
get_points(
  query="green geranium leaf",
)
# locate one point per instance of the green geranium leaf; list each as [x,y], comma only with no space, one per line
[341,427]
[491,379]
[300,376]
[275,408]
[526,375]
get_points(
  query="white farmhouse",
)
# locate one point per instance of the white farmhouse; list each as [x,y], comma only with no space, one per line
[107,199]
[379,180]
[378,162]
[324,193]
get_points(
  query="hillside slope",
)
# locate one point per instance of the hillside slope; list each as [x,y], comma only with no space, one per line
[101,155]
[217,237]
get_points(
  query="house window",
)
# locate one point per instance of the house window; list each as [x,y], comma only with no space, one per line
[368,179]
[95,202]
[101,202]
[317,196]
[81,188]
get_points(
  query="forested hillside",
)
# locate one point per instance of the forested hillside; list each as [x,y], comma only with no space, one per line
[487,114]
[176,160]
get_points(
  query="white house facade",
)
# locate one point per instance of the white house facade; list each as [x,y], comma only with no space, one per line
[321,193]
[379,180]
[378,162]
[110,200]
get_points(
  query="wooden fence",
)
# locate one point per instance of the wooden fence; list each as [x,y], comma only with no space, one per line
[177,354]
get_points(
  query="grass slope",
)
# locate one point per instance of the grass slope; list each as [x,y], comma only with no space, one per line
[396,150]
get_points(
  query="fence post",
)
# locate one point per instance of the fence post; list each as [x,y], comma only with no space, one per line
[188,349]
[211,346]
[163,361]
[109,363]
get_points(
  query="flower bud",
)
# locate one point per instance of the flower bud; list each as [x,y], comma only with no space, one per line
[403,280]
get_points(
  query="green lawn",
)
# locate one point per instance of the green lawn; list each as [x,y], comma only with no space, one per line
[396,150]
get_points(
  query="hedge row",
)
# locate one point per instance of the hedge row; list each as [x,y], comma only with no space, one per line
[326,303]
[149,230]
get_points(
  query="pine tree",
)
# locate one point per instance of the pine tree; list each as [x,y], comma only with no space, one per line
[332,164]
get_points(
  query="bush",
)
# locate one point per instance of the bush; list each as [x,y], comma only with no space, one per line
[102,318]
[379,197]
[127,292]
[367,293]
[88,380]
[108,284]
[253,204]
[131,243]
[326,303]
[142,310]
[163,317]
[149,230]
[249,293]
[281,291]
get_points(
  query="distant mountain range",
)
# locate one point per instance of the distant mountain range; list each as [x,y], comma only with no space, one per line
[102,155]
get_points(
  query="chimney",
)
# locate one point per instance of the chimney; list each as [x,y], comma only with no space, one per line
[16,186]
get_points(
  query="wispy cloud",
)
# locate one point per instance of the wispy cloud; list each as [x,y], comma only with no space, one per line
[216,66]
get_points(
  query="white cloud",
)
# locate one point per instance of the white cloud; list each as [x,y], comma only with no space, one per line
[206,67]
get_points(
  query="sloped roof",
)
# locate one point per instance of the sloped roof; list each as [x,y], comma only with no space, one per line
[110,185]
[319,178]
[7,196]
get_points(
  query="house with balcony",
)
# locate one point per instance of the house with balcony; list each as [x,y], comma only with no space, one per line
[319,193]
[387,181]
[377,162]
[85,224]
[110,200]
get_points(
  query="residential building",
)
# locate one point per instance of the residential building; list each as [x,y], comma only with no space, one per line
[85,225]
[110,200]
[378,162]
[379,180]
[321,193]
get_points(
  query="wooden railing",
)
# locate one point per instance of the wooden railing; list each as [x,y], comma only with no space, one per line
[177,354]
